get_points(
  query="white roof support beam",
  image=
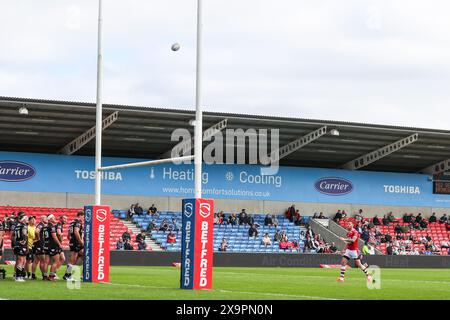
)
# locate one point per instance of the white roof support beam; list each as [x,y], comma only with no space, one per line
[77,143]
[207,134]
[437,168]
[380,153]
[299,143]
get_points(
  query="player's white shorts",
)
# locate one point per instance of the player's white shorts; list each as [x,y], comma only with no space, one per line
[351,254]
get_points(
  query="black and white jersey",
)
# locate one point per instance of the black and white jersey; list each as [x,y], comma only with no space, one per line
[48,238]
[20,234]
[74,225]
[40,228]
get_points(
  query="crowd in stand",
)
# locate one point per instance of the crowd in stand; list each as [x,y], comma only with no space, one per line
[403,242]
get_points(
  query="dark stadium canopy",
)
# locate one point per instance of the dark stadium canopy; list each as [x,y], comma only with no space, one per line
[144,132]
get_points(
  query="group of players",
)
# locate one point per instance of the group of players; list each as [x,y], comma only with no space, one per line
[41,245]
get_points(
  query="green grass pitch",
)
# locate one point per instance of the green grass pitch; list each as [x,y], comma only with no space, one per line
[241,283]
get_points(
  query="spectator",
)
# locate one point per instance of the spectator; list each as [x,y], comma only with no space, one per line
[171,238]
[175,226]
[275,221]
[443,219]
[344,214]
[277,236]
[359,216]
[151,226]
[268,220]
[290,213]
[385,220]
[391,217]
[250,220]
[423,224]
[433,218]
[152,210]
[126,236]
[233,219]
[398,228]
[224,245]
[253,231]
[298,219]
[138,209]
[266,240]
[242,217]
[141,236]
[419,218]
[164,226]
[315,215]
[142,246]
[338,216]
[388,238]
[406,218]
[321,216]
[128,245]
[376,221]
[389,250]
[131,212]
[120,245]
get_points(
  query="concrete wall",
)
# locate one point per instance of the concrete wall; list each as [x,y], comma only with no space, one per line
[227,205]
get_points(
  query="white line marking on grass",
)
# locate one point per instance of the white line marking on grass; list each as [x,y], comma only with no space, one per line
[135,285]
[228,291]
[278,295]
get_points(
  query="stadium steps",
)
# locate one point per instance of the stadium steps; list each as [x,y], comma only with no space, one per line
[151,245]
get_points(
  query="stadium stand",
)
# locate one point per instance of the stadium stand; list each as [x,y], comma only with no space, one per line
[236,235]
[117,226]
[437,231]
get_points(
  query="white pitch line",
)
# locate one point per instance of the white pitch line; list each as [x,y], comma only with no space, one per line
[228,291]
[279,295]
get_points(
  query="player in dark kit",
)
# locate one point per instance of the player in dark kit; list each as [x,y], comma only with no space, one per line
[21,247]
[41,247]
[76,244]
[2,233]
[60,235]
[352,252]
[54,246]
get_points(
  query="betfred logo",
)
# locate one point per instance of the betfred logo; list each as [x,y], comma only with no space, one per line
[188,209]
[205,209]
[101,215]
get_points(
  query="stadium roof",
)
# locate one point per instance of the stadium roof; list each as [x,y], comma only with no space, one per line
[144,132]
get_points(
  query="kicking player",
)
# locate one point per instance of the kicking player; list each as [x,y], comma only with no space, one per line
[352,252]
[21,247]
[2,233]
[76,244]
[41,247]
[30,241]
[54,246]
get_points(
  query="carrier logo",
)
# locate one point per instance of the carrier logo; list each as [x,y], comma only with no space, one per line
[101,215]
[16,171]
[205,210]
[334,186]
[188,209]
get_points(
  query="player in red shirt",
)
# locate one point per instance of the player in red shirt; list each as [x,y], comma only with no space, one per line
[352,252]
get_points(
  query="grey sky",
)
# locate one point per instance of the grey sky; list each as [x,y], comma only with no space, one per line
[384,62]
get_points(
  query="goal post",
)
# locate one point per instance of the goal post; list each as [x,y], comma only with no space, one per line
[197,213]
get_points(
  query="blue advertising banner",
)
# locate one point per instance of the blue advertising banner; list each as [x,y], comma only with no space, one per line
[59,173]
